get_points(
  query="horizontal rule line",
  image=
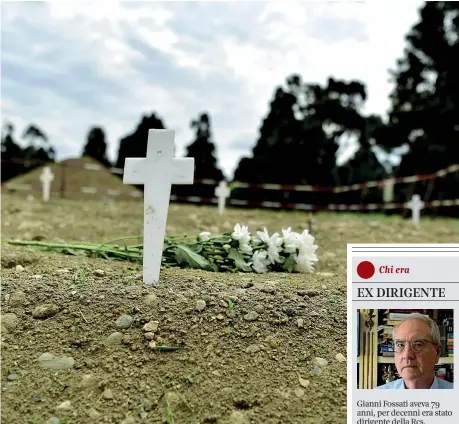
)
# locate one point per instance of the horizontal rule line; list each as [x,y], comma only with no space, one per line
[410,246]
[407,251]
[407,299]
[439,248]
[373,283]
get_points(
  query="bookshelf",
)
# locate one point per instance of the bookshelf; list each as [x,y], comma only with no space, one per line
[388,360]
[376,362]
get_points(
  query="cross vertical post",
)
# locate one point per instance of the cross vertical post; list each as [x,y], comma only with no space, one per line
[222,192]
[157,172]
[415,204]
[46,177]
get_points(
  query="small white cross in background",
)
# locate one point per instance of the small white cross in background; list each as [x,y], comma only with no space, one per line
[46,177]
[415,204]
[222,192]
[157,172]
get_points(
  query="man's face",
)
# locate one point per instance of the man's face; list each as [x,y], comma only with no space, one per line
[411,364]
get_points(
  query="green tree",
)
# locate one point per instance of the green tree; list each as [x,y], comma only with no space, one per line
[96,146]
[20,160]
[34,133]
[279,131]
[425,99]
[12,154]
[301,136]
[135,144]
[38,150]
[424,113]
[202,149]
[10,149]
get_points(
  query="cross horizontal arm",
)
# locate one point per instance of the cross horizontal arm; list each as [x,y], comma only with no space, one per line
[179,171]
[134,171]
[182,171]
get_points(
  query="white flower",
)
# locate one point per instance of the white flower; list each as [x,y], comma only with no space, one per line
[204,236]
[260,261]
[263,236]
[275,247]
[291,240]
[304,264]
[240,232]
[307,247]
[274,243]
[245,248]
[256,241]
[305,240]
[245,239]
[273,254]
[273,240]
[287,232]
[307,253]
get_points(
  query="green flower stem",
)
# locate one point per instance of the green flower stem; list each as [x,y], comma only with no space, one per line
[93,248]
[220,253]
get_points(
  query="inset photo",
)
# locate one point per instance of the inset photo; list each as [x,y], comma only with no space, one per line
[405,349]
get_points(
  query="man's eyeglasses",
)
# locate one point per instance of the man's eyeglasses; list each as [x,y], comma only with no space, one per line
[416,345]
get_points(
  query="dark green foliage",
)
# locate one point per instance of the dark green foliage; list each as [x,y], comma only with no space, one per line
[96,146]
[134,145]
[17,160]
[202,149]
[301,136]
[424,113]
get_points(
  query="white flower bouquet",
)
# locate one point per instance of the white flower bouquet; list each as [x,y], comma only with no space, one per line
[230,252]
[239,251]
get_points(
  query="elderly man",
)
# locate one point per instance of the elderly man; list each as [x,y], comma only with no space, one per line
[417,350]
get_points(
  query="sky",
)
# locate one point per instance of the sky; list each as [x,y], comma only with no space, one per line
[67,66]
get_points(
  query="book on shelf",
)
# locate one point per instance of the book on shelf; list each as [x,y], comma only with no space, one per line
[386,348]
[358,333]
[398,316]
[392,322]
[395,316]
[447,337]
[403,311]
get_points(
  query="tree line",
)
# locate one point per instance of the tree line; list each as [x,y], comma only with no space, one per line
[307,124]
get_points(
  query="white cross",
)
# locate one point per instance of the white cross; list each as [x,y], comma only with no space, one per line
[46,177]
[222,192]
[157,172]
[415,204]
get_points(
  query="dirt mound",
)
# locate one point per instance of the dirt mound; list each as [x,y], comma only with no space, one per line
[77,178]
[84,344]
[80,336]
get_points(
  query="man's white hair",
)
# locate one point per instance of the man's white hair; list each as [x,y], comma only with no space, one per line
[434,330]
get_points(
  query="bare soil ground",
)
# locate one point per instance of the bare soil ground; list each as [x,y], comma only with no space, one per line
[75,350]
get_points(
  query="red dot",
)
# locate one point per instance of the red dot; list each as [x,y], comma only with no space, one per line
[365,269]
